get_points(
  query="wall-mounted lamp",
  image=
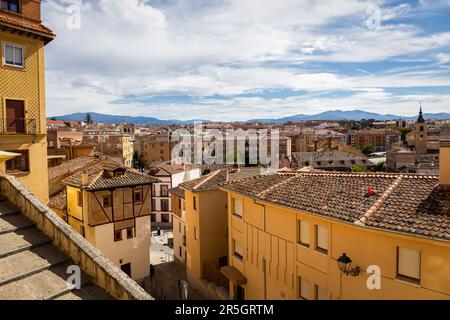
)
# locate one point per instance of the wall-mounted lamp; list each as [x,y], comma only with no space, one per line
[345,265]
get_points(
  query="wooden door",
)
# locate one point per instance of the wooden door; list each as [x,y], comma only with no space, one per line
[15,116]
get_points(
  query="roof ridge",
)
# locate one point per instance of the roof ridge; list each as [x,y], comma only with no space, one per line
[363,219]
[211,175]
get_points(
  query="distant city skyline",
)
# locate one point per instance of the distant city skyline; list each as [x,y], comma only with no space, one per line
[228,60]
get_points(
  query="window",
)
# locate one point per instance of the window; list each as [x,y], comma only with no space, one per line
[179,204]
[320,293]
[126,268]
[130,233]
[164,205]
[195,203]
[153,217]
[137,196]
[237,208]
[195,234]
[165,218]
[179,227]
[153,204]
[223,261]
[18,164]
[153,190]
[13,55]
[80,199]
[107,201]
[303,288]
[118,236]
[11,5]
[321,239]
[164,191]
[303,230]
[180,251]
[238,250]
[408,265]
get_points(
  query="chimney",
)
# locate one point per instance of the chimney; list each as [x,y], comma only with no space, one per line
[444,162]
[84,179]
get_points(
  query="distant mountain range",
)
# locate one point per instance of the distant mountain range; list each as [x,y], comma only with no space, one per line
[328,116]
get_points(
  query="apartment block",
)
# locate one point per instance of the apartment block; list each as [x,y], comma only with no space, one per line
[169,176]
[22,93]
[323,235]
[380,139]
[207,230]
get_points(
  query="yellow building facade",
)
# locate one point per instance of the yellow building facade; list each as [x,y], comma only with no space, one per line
[397,236]
[275,263]
[22,95]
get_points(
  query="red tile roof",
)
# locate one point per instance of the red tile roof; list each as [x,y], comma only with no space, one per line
[18,22]
[98,179]
[409,204]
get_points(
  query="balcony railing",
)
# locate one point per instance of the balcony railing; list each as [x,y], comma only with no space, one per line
[18,126]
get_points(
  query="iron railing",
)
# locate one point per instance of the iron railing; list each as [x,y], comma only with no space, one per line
[18,126]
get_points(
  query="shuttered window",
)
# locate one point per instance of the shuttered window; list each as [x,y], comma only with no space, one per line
[238,250]
[303,290]
[408,265]
[237,207]
[303,229]
[322,239]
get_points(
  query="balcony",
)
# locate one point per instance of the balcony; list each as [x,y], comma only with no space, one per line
[18,126]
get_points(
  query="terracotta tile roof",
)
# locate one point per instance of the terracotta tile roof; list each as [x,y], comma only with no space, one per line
[69,167]
[58,201]
[331,159]
[166,168]
[99,178]
[213,180]
[177,192]
[18,22]
[410,204]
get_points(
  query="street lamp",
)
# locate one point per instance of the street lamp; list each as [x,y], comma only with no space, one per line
[345,265]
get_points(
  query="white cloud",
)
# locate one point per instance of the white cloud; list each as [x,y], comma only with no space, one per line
[205,48]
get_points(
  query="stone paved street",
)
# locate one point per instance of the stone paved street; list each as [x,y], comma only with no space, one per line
[168,271]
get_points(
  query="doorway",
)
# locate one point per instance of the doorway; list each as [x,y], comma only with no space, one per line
[15,116]
[126,268]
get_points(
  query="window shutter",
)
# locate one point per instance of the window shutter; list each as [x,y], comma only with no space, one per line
[304,232]
[304,288]
[322,238]
[409,263]
[238,207]
[238,248]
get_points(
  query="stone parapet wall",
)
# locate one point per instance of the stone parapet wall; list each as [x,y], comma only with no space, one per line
[104,273]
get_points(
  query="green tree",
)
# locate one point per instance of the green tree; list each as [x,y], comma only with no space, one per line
[358,168]
[88,119]
[367,149]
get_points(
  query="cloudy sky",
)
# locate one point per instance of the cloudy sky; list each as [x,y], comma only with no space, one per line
[244,59]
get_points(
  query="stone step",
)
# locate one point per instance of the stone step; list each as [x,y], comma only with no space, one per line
[7,208]
[44,285]
[23,264]
[90,292]
[13,223]
[15,242]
